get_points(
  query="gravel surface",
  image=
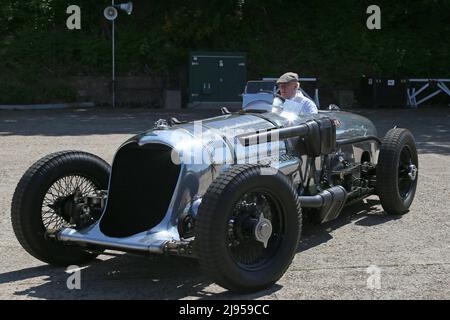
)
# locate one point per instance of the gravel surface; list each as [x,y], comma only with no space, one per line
[413,251]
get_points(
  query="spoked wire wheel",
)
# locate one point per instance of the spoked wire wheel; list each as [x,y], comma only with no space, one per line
[60,197]
[255,230]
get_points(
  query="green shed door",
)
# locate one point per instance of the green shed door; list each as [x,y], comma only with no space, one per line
[232,78]
[205,79]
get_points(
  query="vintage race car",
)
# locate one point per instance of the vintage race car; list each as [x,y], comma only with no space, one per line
[230,191]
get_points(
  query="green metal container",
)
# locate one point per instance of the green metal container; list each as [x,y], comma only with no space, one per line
[217,76]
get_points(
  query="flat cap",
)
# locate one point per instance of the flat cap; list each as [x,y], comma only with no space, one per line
[288,77]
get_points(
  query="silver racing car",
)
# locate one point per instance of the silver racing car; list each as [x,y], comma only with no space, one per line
[230,191]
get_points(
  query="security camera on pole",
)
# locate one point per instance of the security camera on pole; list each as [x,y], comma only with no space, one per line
[111,14]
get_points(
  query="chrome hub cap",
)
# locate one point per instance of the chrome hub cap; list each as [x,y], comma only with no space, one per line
[263,230]
[412,172]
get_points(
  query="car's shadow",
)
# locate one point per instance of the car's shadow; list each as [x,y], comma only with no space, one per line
[122,277]
[134,277]
[365,213]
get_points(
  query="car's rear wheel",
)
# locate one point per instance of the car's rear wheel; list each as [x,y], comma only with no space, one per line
[248,228]
[397,171]
[44,198]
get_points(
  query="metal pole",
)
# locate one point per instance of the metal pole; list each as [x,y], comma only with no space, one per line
[113,62]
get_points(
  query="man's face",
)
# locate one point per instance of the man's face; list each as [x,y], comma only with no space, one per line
[288,90]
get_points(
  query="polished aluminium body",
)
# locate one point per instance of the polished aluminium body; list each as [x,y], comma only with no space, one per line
[201,140]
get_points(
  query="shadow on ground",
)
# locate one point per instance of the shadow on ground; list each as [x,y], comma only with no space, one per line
[430,126]
[81,122]
[134,277]
[124,277]
[366,213]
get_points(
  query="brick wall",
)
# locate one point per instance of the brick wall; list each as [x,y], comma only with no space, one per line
[135,91]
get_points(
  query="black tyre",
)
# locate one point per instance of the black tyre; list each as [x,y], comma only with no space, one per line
[397,171]
[248,228]
[41,196]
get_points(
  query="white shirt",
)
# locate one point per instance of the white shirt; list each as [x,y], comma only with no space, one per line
[297,105]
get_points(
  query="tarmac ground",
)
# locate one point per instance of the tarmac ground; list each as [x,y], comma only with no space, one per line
[412,251]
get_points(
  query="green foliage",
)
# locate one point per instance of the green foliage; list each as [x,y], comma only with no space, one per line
[20,85]
[328,39]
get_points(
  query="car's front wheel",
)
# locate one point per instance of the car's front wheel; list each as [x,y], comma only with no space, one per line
[44,199]
[248,228]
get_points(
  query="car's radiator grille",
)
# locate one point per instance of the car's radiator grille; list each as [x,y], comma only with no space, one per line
[142,184]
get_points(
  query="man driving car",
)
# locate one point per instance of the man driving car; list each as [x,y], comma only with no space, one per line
[289,84]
